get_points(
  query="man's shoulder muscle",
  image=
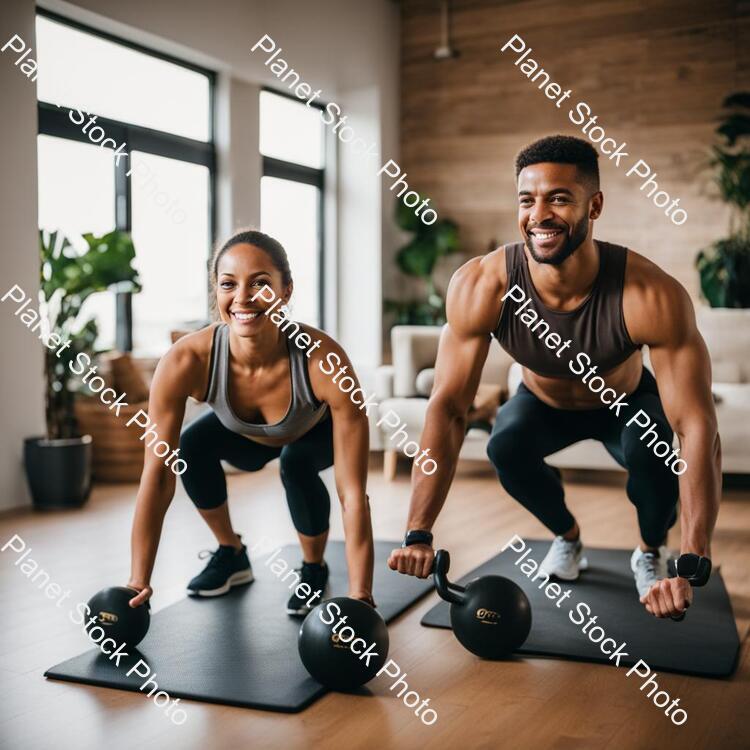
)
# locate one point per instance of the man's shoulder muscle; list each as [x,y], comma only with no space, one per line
[474,294]
[655,305]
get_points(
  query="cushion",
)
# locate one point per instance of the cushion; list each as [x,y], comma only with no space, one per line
[725,371]
[424,381]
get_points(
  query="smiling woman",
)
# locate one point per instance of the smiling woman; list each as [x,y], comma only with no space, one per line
[269,399]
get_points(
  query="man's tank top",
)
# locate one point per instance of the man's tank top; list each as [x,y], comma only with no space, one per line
[596,326]
[305,411]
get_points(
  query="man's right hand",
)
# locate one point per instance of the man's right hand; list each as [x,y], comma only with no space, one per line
[144,592]
[414,560]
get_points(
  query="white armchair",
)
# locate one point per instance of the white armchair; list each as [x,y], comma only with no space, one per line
[404,386]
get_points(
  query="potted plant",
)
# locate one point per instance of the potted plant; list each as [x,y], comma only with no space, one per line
[418,258]
[58,465]
[724,267]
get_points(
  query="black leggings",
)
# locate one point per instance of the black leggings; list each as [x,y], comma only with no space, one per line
[527,430]
[205,442]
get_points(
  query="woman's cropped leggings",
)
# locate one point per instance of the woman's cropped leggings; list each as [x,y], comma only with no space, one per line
[205,443]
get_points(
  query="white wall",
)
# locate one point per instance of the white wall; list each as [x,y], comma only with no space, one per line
[239,161]
[22,392]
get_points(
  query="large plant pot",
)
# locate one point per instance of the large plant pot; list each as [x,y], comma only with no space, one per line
[58,471]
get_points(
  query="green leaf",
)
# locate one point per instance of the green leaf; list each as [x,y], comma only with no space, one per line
[415,312]
[406,218]
[67,280]
[724,271]
[446,237]
[418,258]
[734,127]
[740,99]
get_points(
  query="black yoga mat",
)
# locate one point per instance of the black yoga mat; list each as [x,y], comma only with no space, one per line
[705,643]
[240,649]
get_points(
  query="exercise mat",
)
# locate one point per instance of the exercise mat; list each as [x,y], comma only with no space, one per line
[240,649]
[705,643]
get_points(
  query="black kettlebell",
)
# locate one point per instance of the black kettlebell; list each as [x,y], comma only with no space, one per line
[118,620]
[349,657]
[491,617]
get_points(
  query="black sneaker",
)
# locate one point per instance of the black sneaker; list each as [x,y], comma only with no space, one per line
[315,575]
[227,567]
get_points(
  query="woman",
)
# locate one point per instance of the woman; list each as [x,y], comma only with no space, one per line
[270,399]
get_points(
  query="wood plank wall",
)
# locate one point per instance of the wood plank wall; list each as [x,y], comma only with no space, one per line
[654,71]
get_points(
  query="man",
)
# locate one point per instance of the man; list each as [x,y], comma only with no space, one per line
[607,302]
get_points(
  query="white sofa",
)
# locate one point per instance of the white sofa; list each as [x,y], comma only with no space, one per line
[402,388]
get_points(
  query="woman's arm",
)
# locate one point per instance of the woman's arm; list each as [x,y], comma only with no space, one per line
[166,409]
[351,453]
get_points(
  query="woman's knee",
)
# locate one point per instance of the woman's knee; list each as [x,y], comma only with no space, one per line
[203,478]
[308,499]
[297,463]
[189,443]
[198,439]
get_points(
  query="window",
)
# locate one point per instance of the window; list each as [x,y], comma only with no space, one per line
[87,205]
[291,194]
[172,254]
[290,130]
[78,69]
[157,113]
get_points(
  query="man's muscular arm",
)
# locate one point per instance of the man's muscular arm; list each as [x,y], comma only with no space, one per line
[473,308]
[665,320]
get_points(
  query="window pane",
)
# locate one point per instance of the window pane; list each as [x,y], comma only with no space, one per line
[77,195]
[290,130]
[83,71]
[170,215]
[299,234]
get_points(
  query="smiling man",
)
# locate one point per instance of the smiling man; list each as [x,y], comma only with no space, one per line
[610,302]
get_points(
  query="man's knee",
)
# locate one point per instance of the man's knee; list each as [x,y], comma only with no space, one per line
[506,447]
[638,448]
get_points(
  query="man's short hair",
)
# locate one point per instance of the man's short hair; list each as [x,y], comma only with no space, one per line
[562,149]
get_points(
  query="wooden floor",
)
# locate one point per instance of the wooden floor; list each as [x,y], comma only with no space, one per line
[534,703]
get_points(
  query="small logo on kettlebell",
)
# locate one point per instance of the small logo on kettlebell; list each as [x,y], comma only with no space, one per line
[108,618]
[336,641]
[487,616]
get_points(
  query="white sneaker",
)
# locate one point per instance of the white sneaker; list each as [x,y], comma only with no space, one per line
[648,568]
[564,560]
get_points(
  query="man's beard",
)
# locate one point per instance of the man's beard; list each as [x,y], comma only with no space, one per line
[574,240]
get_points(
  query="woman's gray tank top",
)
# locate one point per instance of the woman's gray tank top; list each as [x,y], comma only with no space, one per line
[305,411]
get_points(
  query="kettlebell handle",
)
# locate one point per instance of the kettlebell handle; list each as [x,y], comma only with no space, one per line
[451,592]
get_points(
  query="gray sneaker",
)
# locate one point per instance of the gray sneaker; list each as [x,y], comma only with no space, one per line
[648,568]
[564,560]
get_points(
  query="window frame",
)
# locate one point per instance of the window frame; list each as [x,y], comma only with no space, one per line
[287,170]
[54,121]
